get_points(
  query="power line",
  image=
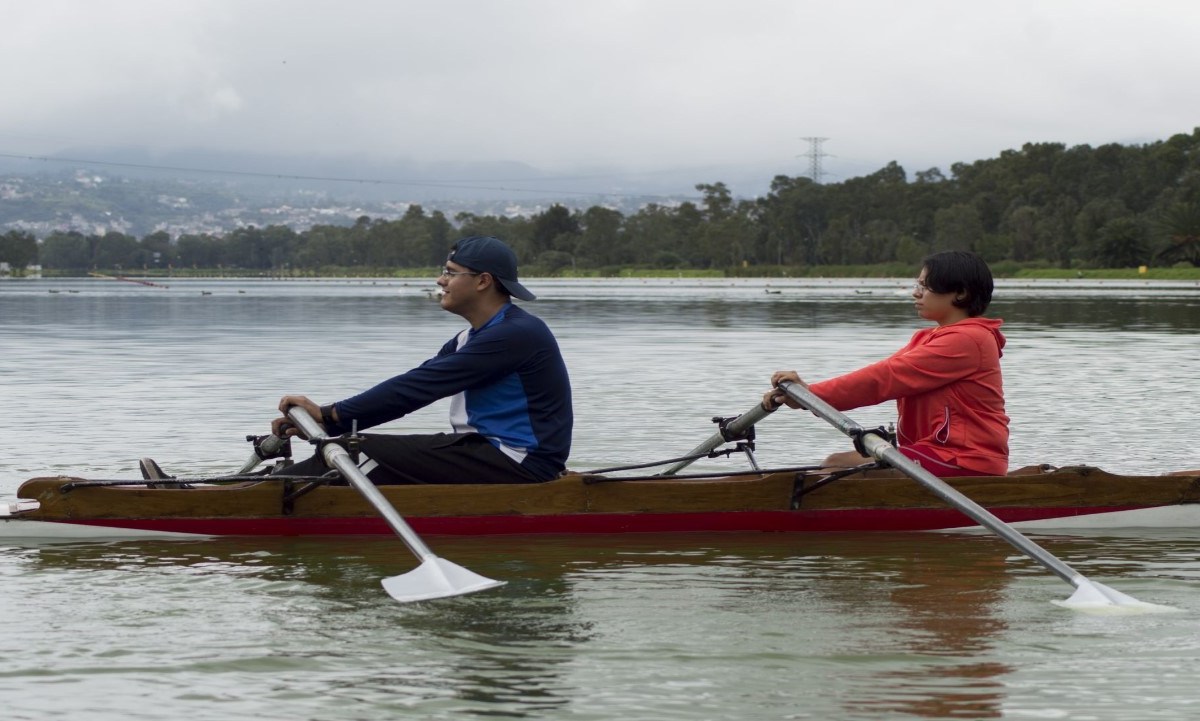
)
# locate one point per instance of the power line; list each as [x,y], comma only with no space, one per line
[814,156]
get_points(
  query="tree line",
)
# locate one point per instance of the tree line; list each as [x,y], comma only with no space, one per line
[1111,206]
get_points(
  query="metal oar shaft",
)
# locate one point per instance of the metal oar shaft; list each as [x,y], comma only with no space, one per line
[884,451]
[879,448]
[738,426]
[435,577]
[339,458]
[266,450]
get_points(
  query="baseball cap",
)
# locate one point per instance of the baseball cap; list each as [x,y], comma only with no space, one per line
[486,254]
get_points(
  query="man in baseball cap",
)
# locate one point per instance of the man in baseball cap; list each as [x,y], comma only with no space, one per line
[510,407]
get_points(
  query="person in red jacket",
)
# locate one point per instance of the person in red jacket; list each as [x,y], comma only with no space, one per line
[946,382]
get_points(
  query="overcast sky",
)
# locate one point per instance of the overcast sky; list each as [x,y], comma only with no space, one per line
[646,85]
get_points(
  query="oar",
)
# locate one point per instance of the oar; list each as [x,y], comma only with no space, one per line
[435,577]
[732,430]
[1089,595]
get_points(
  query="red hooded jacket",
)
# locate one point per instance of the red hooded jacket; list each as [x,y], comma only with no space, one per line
[948,391]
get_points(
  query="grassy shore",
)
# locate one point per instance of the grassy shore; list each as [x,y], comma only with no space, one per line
[1003,269]
[890,270]
[1113,273]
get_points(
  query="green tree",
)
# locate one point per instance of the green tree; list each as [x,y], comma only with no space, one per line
[725,235]
[1088,222]
[1056,231]
[116,250]
[910,251]
[794,216]
[279,245]
[840,243]
[1122,244]
[355,246]
[554,229]
[415,234]
[957,227]
[323,246]
[880,241]
[439,239]
[1021,226]
[728,242]
[601,240]
[684,237]
[718,201]
[993,247]
[1181,226]
[384,243]
[19,249]
[243,248]
[921,200]
[656,235]
[197,251]
[66,251]
[155,251]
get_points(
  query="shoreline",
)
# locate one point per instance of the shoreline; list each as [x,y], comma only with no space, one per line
[886,271]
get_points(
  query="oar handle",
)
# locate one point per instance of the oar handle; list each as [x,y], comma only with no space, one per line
[266,449]
[879,448]
[737,427]
[339,458]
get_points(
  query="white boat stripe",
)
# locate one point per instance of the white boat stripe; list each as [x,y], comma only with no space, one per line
[1186,516]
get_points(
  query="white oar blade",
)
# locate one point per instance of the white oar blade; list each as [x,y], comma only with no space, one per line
[1098,599]
[436,578]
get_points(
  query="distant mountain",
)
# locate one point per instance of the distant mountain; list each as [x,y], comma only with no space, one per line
[370,179]
[191,191]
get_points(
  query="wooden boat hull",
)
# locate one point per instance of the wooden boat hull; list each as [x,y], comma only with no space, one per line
[1075,497]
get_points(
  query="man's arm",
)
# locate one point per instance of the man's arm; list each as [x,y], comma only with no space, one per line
[487,356]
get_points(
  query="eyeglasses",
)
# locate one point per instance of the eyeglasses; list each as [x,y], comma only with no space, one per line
[920,288]
[447,273]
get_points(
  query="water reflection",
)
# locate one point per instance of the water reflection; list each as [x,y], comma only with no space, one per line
[1090,313]
[546,640]
[675,626]
[1163,315]
[949,619]
[500,651]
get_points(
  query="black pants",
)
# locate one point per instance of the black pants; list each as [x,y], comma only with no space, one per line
[439,458]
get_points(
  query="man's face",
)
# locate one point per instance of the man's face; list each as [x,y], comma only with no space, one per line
[459,286]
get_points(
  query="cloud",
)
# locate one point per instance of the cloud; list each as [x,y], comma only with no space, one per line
[642,84]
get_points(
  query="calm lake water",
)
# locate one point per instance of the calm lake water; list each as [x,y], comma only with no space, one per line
[97,373]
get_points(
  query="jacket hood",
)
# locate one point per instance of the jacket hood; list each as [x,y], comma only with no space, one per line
[992,325]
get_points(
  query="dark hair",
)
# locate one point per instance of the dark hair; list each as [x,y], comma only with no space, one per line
[960,272]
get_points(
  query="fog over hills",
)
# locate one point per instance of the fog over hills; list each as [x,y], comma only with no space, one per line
[368,179]
[193,191]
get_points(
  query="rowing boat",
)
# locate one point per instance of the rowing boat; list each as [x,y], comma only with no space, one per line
[804,500]
[890,494]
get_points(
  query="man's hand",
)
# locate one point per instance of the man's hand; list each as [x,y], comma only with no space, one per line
[283,427]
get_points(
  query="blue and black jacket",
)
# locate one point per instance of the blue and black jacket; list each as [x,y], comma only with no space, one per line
[508,382]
